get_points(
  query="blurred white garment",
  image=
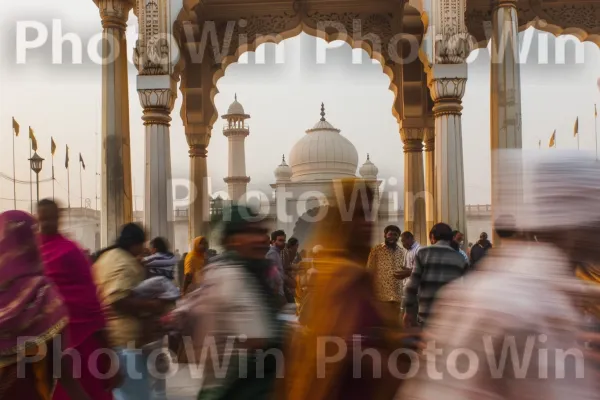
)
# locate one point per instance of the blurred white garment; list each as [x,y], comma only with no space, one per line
[523,294]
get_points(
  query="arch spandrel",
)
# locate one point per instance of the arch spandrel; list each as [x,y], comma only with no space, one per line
[580,18]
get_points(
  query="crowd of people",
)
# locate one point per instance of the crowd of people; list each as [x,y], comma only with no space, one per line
[400,320]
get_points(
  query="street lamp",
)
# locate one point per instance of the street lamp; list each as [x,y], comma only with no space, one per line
[36,166]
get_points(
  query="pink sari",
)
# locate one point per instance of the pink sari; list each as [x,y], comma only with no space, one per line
[70,270]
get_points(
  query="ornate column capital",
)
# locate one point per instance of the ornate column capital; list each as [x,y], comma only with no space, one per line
[447,84]
[198,138]
[157,96]
[114,13]
[198,150]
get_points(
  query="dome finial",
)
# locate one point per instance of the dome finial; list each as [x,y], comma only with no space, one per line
[236,97]
[283,158]
[322,111]
[368,157]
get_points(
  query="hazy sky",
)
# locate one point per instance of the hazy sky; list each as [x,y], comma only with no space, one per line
[63,101]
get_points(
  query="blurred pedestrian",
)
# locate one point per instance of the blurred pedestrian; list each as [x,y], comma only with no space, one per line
[524,295]
[33,319]
[290,260]
[344,309]
[194,264]
[71,271]
[117,273]
[480,249]
[236,301]
[161,262]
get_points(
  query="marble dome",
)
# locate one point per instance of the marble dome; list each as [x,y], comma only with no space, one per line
[283,173]
[236,108]
[323,154]
[368,169]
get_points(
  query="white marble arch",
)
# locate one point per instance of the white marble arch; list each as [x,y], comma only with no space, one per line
[409,109]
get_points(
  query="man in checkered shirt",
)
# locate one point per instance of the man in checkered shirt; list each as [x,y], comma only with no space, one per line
[435,266]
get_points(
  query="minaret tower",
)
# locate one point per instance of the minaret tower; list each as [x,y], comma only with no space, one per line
[236,131]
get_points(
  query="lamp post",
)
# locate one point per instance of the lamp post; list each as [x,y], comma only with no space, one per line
[36,166]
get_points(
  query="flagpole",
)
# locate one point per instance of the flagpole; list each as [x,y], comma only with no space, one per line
[80,183]
[31,177]
[596,128]
[69,190]
[14,172]
[53,177]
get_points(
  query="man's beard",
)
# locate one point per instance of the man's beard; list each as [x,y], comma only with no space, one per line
[391,243]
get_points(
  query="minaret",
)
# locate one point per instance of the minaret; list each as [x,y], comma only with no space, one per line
[236,131]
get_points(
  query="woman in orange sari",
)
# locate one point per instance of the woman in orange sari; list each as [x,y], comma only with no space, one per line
[30,307]
[194,263]
[343,306]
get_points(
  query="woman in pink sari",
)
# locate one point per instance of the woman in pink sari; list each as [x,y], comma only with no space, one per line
[70,270]
[31,308]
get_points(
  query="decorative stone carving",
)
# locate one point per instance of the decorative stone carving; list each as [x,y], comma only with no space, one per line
[453,43]
[151,54]
[453,48]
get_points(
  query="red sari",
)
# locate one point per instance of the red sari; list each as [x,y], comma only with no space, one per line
[70,270]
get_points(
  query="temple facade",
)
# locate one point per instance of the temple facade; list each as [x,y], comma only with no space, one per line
[421,45]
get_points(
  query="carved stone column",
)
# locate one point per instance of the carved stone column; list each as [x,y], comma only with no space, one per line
[157,95]
[116,155]
[505,101]
[414,190]
[198,138]
[447,85]
[429,140]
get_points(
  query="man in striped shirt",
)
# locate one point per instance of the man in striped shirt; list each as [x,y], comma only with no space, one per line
[435,266]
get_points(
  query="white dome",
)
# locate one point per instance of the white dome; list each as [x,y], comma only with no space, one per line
[236,108]
[368,169]
[323,154]
[283,172]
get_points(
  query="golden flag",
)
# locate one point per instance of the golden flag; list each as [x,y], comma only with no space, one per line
[595,111]
[67,157]
[16,127]
[553,140]
[576,129]
[52,146]
[33,140]
[540,144]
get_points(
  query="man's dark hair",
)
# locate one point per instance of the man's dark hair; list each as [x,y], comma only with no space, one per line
[292,242]
[407,235]
[454,233]
[391,228]
[160,244]
[505,226]
[441,231]
[47,202]
[131,234]
[276,234]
